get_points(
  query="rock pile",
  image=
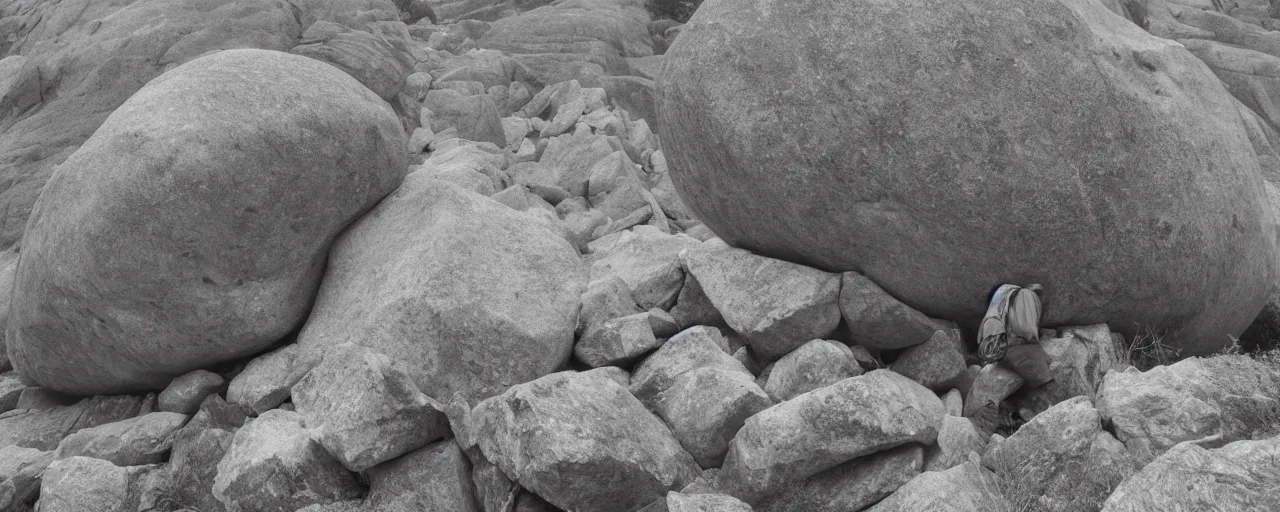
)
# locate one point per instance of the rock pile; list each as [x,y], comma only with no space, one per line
[452,271]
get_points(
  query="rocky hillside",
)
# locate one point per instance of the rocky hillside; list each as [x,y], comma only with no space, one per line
[479,255]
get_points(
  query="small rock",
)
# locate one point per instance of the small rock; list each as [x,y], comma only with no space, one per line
[363,410]
[1241,476]
[953,401]
[864,358]
[706,406]
[606,298]
[608,454]
[647,259]
[964,488]
[184,394]
[617,341]
[992,385]
[854,485]
[829,426]
[132,442]
[677,502]
[274,464]
[566,116]
[816,364]
[937,364]
[956,439]
[776,305]
[695,347]
[614,187]
[43,430]
[879,321]
[266,381]
[662,323]
[417,84]
[434,477]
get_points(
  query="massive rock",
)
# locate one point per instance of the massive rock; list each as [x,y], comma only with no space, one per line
[582,442]
[1242,476]
[94,55]
[980,143]
[192,227]
[461,292]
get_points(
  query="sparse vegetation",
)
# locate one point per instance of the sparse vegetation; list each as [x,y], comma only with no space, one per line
[1147,350]
[1024,489]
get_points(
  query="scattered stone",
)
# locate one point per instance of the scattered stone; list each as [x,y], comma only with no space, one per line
[540,180]
[937,364]
[434,477]
[964,488]
[706,406]
[363,410]
[20,473]
[132,442]
[185,394]
[266,381]
[677,502]
[956,440]
[776,305]
[1061,457]
[274,464]
[460,292]
[854,485]
[1220,397]
[993,384]
[647,259]
[816,364]
[829,426]
[616,342]
[879,321]
[232,239]
[611,453]
[696,347]
[1239,476]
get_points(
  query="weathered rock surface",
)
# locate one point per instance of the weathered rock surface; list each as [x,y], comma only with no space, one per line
[1189,400]
[815,364]
[185,394]
[937,364]
[956,439]
[1078,360]
[274,464]
[461,292]
[266,381]
[706,406]
[434,477]
[854,485]
[992,385]
[696,347]
[776,305]
[647,259]
[368,57]
[133,442]
[964,488]
[20,473]
[364,411]
[1062,457]
[127,286]
[921,197]
[204,439]
[582,442]
[617,341]
[677,502]
[574,39]
[821,429]
[475,117]
[83,483]
[1240,476]
[43,430]
[877,320]
[570,158]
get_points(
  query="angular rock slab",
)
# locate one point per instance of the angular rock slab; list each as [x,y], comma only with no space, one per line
[274,464]
[815,364]
[461,292]
[205,438]
[776,305]
[130,280]
[706,406]
[829,426]
[434,477]
[20,473]
[364,411]
[582,442]
[917,203]
[956,440]
[185,393]
[854,485]
[878,320]
[695,347]
[993,384]
[266,381]
[647,259]
[1241,476]
[137,441]
[937,364]
[964,488]
[82,483]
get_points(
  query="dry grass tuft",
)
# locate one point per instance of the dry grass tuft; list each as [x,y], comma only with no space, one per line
[1147,350]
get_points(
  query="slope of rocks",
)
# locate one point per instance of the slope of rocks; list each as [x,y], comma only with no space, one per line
[523,314]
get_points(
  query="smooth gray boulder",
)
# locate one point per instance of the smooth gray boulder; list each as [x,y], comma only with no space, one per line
[461,293]
[363,410]
[829,426]
[582,442]
[678,502]
[154,250]
[911,183]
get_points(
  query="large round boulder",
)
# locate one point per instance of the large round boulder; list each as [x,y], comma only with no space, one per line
[942,148]
[192,227]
